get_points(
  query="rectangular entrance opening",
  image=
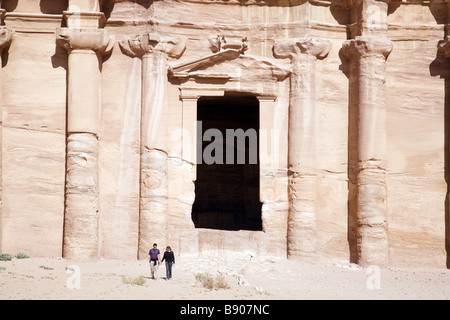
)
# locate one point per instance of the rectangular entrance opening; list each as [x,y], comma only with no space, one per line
[227,185]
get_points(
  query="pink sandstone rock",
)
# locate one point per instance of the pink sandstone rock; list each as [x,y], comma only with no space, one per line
[99,104]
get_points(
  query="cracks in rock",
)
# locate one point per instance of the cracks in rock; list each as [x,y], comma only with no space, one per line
[43,129]
[169,157]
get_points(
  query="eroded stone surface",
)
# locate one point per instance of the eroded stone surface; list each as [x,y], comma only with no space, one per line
[352,167]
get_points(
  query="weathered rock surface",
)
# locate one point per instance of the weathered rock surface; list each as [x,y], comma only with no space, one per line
[98,136]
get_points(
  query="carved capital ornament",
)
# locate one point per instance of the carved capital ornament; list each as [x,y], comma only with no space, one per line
[366,45]
[97,40]
[318,48]
[141,45]
[5,37]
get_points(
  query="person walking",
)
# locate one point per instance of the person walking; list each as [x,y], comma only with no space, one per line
[170,261]
[155,260]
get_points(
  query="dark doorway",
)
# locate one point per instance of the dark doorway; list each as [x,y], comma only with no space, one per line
[227,190]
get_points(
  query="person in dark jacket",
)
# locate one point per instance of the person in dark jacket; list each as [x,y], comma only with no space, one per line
[169,257]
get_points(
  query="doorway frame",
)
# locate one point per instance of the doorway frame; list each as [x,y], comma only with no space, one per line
[270,136]
[230,71]
[239,224]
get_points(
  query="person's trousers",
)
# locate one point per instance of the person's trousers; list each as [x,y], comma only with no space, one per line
[154,268]
[169,270]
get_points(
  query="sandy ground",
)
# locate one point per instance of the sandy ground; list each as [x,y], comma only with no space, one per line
[248,278]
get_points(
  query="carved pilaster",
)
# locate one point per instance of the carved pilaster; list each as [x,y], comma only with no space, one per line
[5,40]
[444,49]
[85,48]
[154,52]
[302,142]
[367,149]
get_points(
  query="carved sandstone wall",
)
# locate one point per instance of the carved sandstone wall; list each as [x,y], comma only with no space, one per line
[99,106]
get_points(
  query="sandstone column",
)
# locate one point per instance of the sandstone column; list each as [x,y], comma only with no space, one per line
[367,53]
[154,52]
[444,48]
[85,47]
[5,40]
[302,142]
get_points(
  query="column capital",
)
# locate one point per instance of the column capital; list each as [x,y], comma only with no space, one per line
[5,37]
[444,45]
[141,45]
[367,45]
[290,48]
[96,40]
